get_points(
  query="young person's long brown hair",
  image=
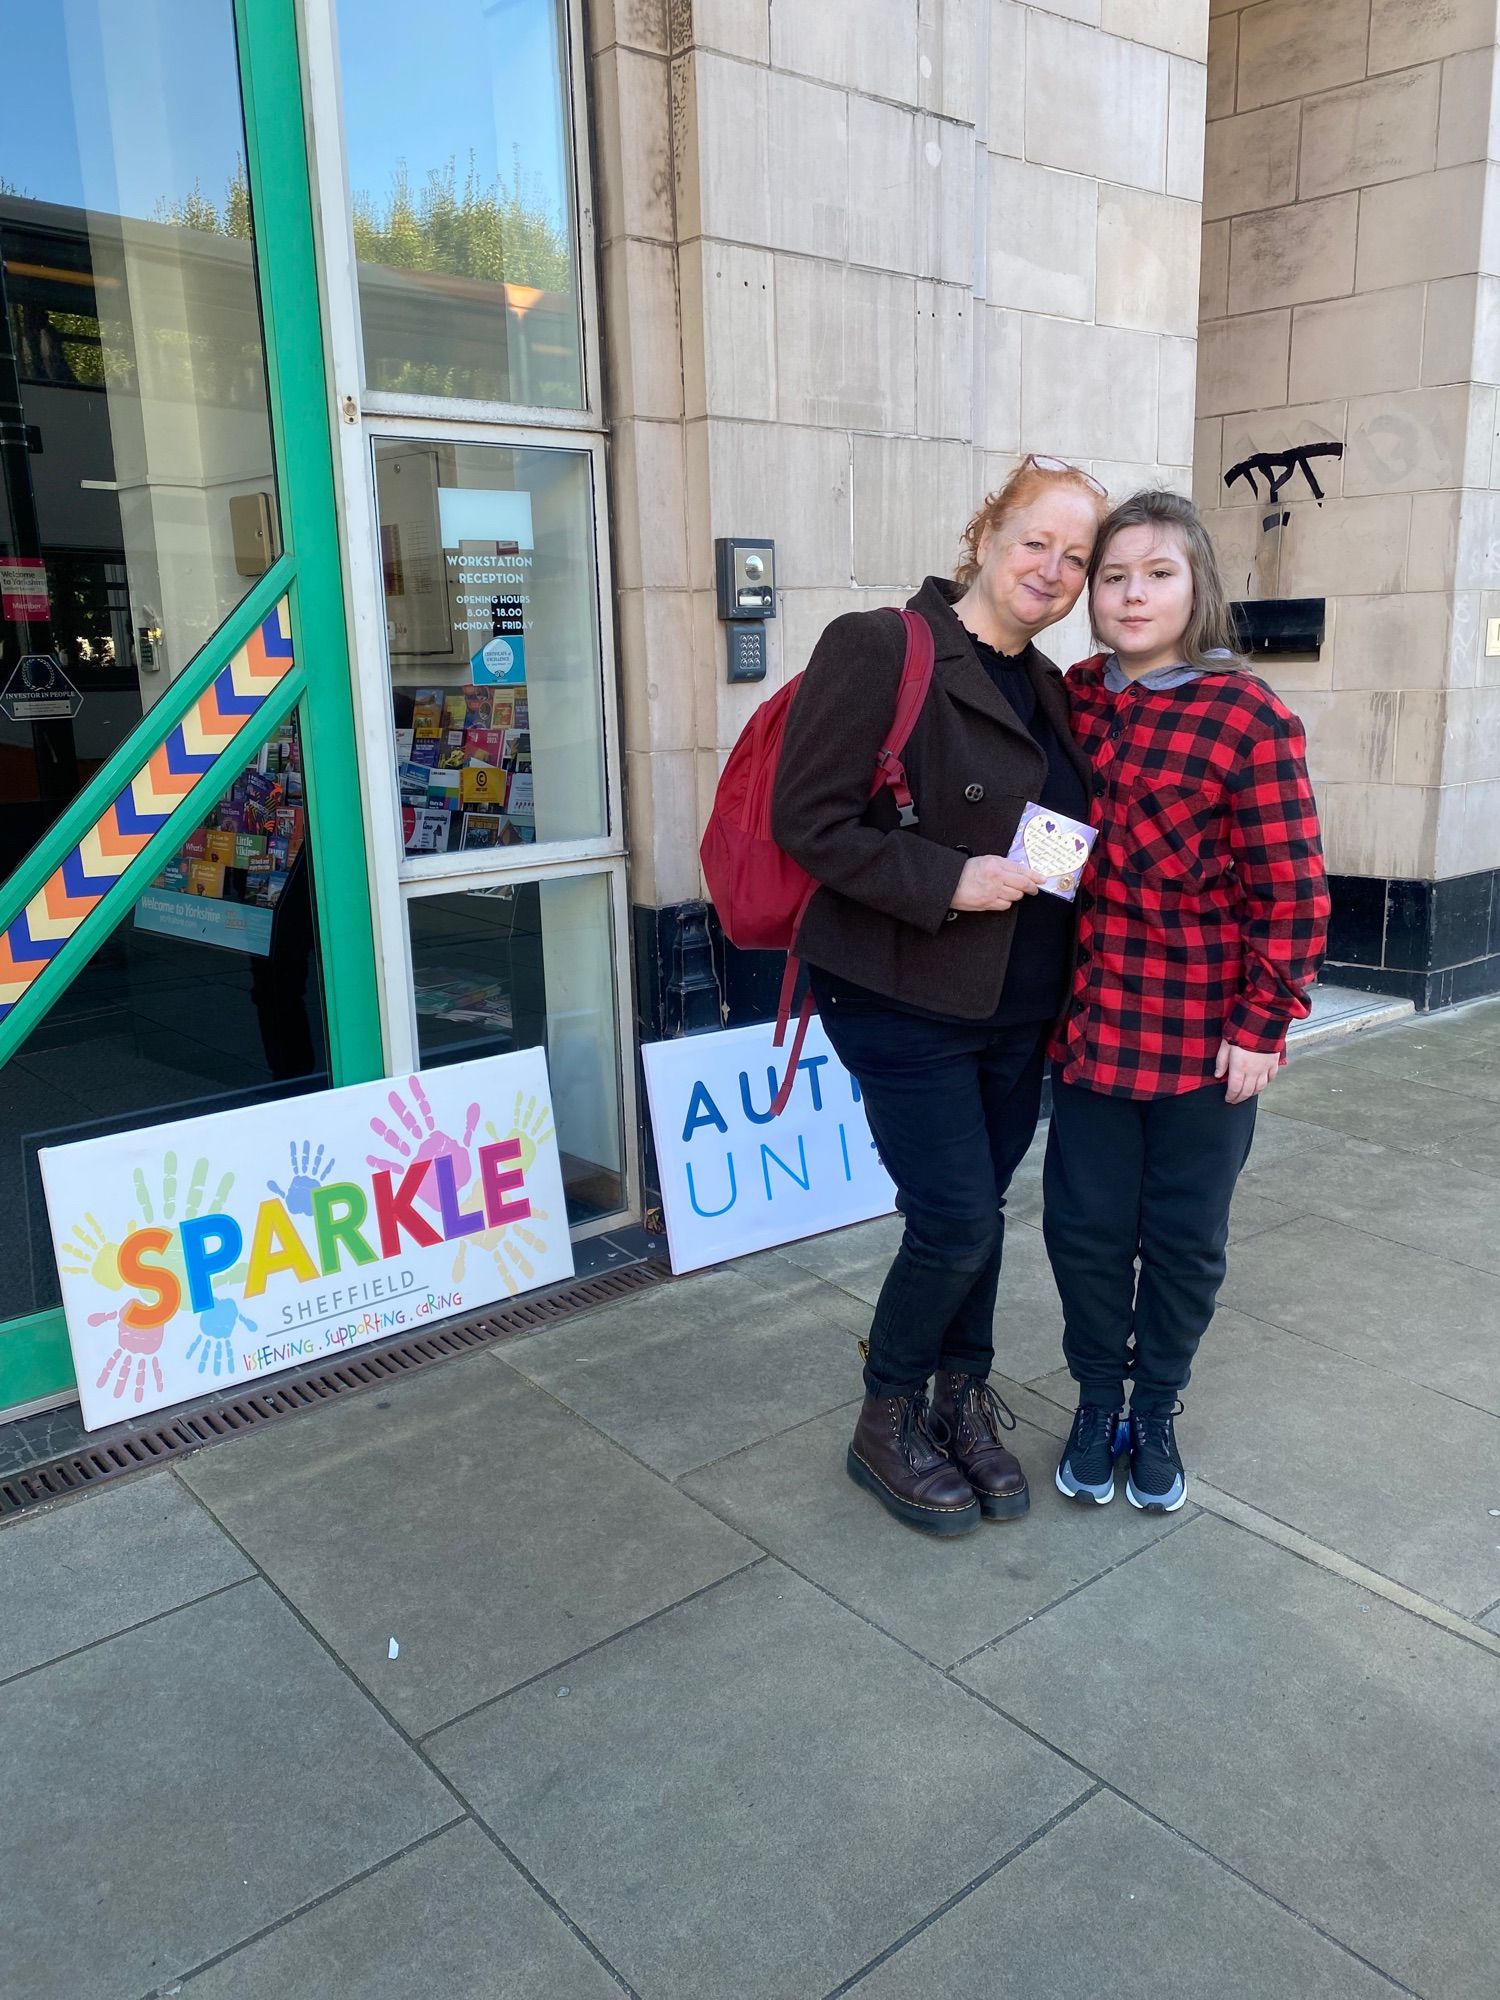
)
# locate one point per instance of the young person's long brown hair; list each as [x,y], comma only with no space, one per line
[1209,629]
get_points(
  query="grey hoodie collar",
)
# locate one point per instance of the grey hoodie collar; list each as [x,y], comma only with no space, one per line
[1159,679]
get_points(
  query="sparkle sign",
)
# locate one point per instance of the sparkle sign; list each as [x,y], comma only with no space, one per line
[218,1249]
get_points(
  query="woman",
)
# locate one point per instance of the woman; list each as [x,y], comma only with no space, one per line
[937,968]
[1204,909]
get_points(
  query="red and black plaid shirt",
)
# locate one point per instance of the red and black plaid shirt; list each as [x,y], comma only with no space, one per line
[1204,907]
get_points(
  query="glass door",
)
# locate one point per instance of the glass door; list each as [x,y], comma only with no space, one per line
[459,248]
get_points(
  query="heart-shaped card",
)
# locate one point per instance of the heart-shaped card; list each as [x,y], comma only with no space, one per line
[1055,846]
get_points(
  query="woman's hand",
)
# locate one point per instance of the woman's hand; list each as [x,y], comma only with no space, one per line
[990,882]
[1248,1073]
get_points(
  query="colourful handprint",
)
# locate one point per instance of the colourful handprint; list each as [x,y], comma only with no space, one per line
[424,1141]
[214,1339]
[167,1199]
[531,1124]
[309,1171]
[93,1254]
[135,1348]
[506,1247]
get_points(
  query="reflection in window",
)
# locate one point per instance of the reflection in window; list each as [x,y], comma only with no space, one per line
[137,494]
[508,968]
[492,627]
[207,995]
[460,159]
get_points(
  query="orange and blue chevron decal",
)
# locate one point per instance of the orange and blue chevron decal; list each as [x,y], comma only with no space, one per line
[175,766]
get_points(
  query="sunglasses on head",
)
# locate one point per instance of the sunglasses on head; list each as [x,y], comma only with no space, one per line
[1045,464]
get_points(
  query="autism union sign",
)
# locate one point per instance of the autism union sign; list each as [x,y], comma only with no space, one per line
[733,1177]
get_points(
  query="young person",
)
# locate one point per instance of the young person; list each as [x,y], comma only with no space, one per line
[1202,918]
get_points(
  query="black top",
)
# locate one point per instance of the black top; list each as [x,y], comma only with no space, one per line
[1036,977]
[1040,952]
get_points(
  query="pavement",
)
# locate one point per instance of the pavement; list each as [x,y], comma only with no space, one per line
[577,1666]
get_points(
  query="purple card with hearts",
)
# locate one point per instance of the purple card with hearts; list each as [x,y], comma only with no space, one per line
[1055,846]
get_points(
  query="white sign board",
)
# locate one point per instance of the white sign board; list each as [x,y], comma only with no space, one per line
[734,1179]
[213,1250]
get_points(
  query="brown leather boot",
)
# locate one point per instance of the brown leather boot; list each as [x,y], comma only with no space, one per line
[975,1416]
[897,1457]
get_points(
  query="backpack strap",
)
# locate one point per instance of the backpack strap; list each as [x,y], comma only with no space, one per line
[916,679]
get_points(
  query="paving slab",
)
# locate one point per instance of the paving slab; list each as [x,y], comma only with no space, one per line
[452,1920]
[173,1790]
[841,1255]
[943,1598]
[1420,1317]
[1278,1138]
[1028,1315]
[1395,1476]
[684,1373]
[467,1516]
[1344,1094]
[1339,1752]
[78,1572]
[1109,1901]
[750,1797]
[1474,1029]
[1434,1206]
[1442,1062]
[1250,1213]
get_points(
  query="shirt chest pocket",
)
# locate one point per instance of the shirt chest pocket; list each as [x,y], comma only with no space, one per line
[1164,833]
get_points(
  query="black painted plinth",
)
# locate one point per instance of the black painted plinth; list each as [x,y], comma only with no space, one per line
[1433,943]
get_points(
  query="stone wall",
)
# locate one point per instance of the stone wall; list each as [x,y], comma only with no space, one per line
[1351,292]
[856,259]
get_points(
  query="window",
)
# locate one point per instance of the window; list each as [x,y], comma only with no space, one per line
[488,569]
[138,494]
[460,161]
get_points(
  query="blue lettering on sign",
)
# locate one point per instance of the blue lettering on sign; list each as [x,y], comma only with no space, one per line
[811,1064]
[759,1117]
[707,1213]
[844,1149]
[768,1159]
[701,1111]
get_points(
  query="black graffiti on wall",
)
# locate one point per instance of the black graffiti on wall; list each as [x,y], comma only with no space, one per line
[1277,468]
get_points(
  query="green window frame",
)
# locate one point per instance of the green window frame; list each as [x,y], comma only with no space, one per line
[35,1359]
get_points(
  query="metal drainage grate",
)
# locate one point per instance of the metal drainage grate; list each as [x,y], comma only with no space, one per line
[188,1430]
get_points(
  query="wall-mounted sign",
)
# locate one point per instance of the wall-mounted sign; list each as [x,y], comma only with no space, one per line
[735,1179]
[226,1248]
[23,590]
[39,691]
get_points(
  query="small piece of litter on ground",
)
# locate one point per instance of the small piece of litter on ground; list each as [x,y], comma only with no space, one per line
[395,1651]
[562,1691]
[1495,1513]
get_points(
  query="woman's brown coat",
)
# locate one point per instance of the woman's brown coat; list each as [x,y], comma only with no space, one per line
[882,917]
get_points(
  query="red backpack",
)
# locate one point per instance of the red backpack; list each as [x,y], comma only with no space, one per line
[760,893]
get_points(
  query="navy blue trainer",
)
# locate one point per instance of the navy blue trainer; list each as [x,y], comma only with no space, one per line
[1086,1470]
[1156,1482]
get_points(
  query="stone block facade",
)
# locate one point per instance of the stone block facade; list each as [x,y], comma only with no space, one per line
[855,262]
[1350,272]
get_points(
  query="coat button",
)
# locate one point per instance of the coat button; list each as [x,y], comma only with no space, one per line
[973,793]
[951,917]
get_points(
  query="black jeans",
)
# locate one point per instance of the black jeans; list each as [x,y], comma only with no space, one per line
[1146,1181]
[952,1109]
